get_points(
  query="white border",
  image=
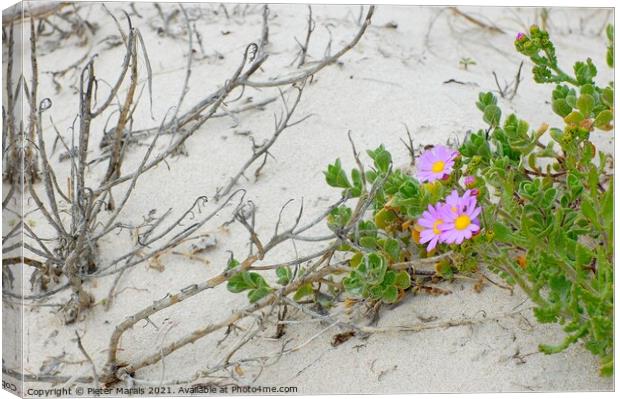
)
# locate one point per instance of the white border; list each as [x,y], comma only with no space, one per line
[522,3]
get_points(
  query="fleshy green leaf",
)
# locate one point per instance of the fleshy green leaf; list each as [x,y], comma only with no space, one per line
[392,248]
[258,294]
[561,108]
[585,104]
[382,159]
[390,294]
[403,280]
[237,284]
[603,119]
[492,115]
[284,275]
[336,176]
[303,291]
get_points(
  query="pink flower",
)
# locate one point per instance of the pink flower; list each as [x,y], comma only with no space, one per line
[436,163]
[459,218]
[454,202]
[469,181]
[520,35]
[431,221]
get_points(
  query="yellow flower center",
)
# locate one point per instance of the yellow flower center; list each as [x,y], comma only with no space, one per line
[462,222]
[438,166]
[437,223]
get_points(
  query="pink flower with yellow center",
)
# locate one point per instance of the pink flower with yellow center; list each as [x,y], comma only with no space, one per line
[431,223]
[454,201]
[436,163]
[459,218]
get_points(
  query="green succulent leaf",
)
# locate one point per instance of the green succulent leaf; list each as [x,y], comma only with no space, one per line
[284,275]
[339,217]
[546,199]
[584,72]
[561,107]
[232,263]
[303,291]
[392,248]
[603,119]
[574,117]
[254,282]
[492,115]
[237,284]
[403,280]
[390,294]
[382,159]
[259,293]
[336,176]
[585,104]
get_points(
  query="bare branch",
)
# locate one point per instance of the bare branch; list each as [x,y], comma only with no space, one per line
[263,150]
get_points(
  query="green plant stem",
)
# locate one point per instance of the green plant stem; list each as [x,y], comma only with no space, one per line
[507,267]
[560,73]
[573,274]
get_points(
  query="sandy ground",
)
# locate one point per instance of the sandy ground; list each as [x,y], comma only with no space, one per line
[396,75]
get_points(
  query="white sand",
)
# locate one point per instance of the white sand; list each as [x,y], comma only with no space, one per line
[393,76]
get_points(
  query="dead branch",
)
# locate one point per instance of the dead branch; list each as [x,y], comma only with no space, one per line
[114,166]
[70,258]
[243,79]
[303,48]
[88,358]
[10,144]
[115,373]
[409,145]
[322,64]
[19,12]
[509,90]
[320,269]
[476,21]
[263,150]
